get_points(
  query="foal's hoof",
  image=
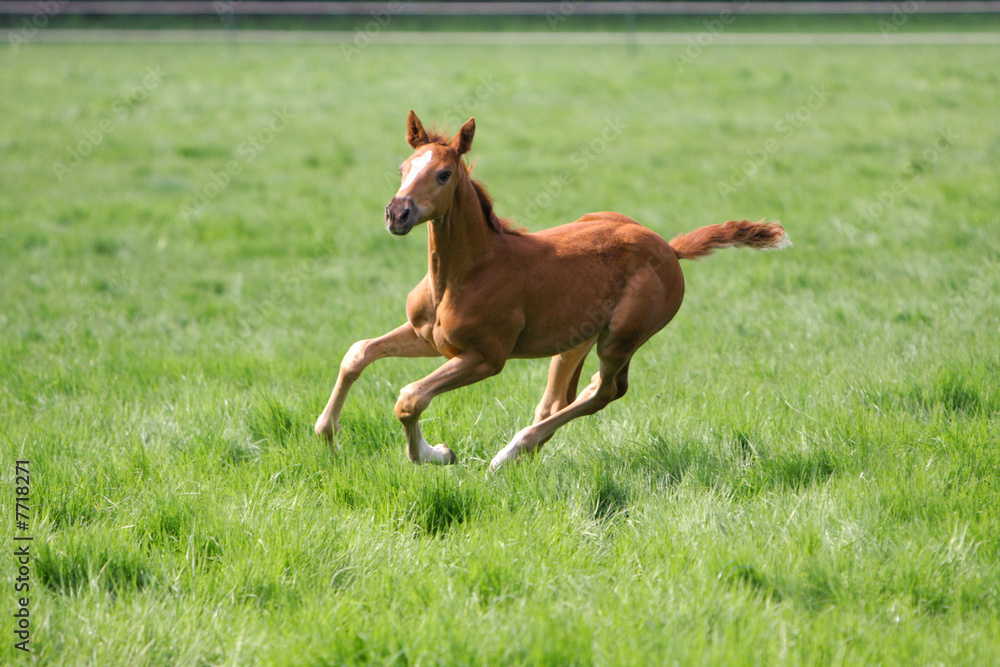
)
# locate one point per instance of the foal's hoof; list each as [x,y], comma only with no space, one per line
[329,433]
[506,455]
[447,457]
[512,453]
[324,428]
[437,455]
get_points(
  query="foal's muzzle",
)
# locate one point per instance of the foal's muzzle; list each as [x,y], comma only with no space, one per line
[400,215]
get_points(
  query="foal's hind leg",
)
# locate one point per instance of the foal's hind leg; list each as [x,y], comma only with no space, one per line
[400,342]
[564,377]
[603,388]
[564,374]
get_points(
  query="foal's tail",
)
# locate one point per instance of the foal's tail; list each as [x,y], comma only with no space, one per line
[759,235]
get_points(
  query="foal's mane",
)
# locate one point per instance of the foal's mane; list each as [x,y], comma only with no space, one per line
[495,222]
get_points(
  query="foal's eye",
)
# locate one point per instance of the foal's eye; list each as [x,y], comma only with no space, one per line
[444,176]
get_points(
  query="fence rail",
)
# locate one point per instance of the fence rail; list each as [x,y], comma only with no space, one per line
[431,8]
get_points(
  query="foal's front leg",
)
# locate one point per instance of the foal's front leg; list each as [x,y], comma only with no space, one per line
[400,342]
[414,398]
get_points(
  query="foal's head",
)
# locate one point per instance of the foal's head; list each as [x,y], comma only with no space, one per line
[429,176]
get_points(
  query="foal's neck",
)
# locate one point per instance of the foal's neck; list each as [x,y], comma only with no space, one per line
[461,240]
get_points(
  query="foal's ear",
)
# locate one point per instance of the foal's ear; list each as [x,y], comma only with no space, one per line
[416,136]
[463,140]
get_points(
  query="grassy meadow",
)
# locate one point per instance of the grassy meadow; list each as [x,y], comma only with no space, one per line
[805,469]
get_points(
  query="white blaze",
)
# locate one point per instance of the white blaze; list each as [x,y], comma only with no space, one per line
[417,165]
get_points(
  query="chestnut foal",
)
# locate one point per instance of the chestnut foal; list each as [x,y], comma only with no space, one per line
[493,293]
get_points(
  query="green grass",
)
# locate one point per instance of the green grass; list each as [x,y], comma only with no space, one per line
[804,470]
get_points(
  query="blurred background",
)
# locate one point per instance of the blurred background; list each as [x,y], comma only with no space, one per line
[495,15]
